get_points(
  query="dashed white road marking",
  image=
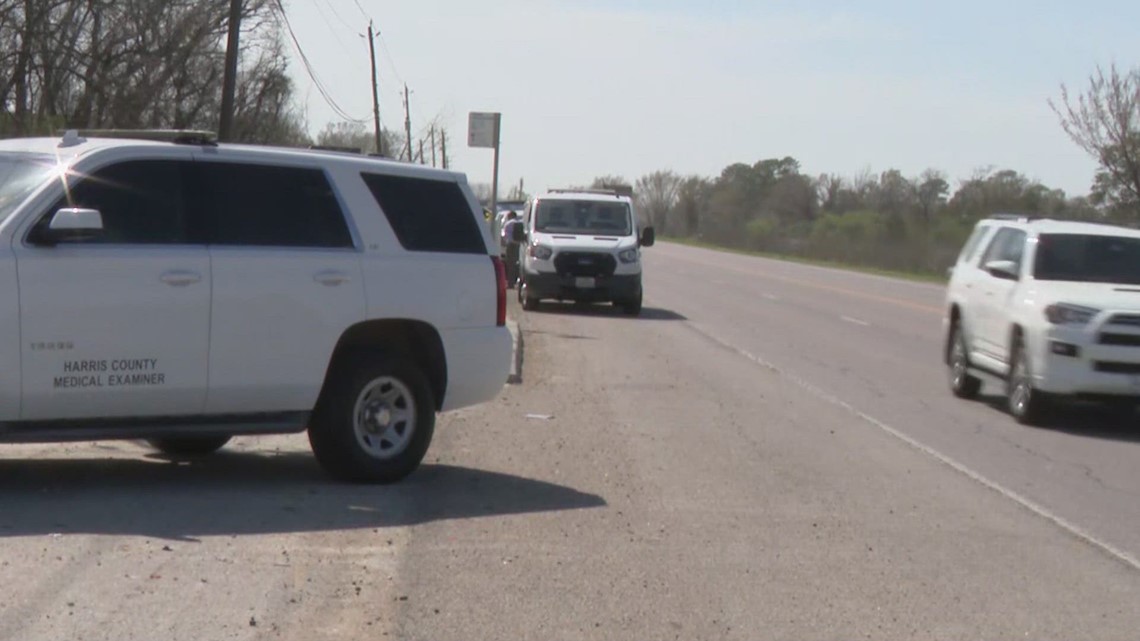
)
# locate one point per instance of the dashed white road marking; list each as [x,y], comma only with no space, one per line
[855,321]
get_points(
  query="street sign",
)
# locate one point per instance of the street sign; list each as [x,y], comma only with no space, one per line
[483,129]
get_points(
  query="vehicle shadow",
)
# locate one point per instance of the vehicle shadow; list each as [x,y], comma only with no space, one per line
[1093,420]
[602,309]
[241,493]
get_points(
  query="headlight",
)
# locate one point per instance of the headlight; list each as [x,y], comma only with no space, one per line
[628,256]
[1066,314]
[540,252]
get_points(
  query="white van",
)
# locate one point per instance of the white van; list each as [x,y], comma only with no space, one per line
[581,245]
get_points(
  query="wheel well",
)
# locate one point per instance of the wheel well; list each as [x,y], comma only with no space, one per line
[417,340]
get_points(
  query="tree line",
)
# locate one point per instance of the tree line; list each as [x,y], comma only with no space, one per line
[158,64]
[890,220]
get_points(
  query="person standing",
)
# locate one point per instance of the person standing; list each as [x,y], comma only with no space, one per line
[512,248]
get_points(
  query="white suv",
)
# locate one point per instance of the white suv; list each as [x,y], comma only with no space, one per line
[185,292]
[1050,307]
[581,245]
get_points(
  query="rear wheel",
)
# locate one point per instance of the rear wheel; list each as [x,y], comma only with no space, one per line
[1025,403]
[189,445]
[377,421]
[962,383]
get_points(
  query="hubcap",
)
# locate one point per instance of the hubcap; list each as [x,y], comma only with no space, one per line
[1019,399]
[958,364]
[384,417]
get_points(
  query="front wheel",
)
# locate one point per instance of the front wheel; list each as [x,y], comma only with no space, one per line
[189,445]
[632,307]
[1026,404]
[377,421]
[962,383]
[528,302]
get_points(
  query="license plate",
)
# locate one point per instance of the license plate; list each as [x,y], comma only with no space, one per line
[585,282]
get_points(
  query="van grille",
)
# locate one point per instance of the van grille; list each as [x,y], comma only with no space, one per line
[585,264]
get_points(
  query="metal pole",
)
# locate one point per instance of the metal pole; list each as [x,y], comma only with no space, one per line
[495,179]
[229,78]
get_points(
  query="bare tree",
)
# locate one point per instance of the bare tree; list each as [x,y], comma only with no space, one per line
[656,196]
[1105,122]
[930,189]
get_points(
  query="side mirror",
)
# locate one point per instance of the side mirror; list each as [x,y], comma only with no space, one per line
[647,237]
[1005,269]
[518,233]
[70,224]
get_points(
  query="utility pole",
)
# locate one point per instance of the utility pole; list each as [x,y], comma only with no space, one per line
[375,93]
[443,146]
[421,151]
[229,77]
[408,121]
[433,145]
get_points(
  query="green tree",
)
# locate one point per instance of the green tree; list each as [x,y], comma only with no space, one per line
[1105,122]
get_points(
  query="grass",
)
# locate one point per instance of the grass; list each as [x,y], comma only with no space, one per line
[923,277]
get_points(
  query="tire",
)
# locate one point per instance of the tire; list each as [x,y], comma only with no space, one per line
[962,383]
[189,445]
[1026,404]
[632,307]
[376,423]
[529,303]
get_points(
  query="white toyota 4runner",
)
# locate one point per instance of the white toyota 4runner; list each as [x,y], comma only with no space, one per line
[184,292]
[1050,307]
[581,245]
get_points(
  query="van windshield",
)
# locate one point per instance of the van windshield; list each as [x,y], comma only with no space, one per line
[20,175]
[1088,258]
[582,217]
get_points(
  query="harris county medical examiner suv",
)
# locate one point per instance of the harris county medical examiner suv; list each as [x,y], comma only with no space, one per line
[173,289]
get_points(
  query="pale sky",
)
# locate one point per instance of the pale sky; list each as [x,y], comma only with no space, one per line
[591,87]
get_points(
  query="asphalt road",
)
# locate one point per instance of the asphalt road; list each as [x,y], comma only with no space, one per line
[770,451]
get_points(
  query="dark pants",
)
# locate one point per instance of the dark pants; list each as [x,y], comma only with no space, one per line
[512,263]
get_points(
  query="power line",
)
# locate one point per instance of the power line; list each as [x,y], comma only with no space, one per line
[312,72]
[332,29]
[388,57]
[362,11]
[338,16]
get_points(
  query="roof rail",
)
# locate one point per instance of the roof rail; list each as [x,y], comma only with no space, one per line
[176,136]
[616,191]
[1018,217]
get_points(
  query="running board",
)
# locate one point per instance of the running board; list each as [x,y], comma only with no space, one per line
[152,427]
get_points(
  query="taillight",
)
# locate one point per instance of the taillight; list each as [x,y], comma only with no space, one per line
[501,291]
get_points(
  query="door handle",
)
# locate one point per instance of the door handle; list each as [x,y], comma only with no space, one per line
[180,278]
[332,277]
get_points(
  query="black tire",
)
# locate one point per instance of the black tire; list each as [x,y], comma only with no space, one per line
[1026,404]
[189,445]
[529,303]
[381,387]
[962,383]
[632,307]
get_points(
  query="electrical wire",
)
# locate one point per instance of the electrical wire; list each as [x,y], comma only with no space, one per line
[312,72]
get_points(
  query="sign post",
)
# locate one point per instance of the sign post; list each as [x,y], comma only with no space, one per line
[483,131]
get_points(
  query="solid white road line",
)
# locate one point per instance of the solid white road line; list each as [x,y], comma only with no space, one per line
[1039,510]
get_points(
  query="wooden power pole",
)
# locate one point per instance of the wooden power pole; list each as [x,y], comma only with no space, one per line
[408,122]
[375,93]
[229,77]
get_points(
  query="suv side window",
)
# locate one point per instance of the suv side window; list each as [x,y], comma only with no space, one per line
[142,203]
[270,206]
[1008,244]
[972,243]
[427,215]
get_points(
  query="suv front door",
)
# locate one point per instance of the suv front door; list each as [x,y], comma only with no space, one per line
[996,294]
[116,324]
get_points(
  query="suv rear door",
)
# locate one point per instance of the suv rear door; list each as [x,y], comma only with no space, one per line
[287,283]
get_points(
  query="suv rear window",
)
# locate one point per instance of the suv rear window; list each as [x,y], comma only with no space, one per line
[427,215]
[271,206]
